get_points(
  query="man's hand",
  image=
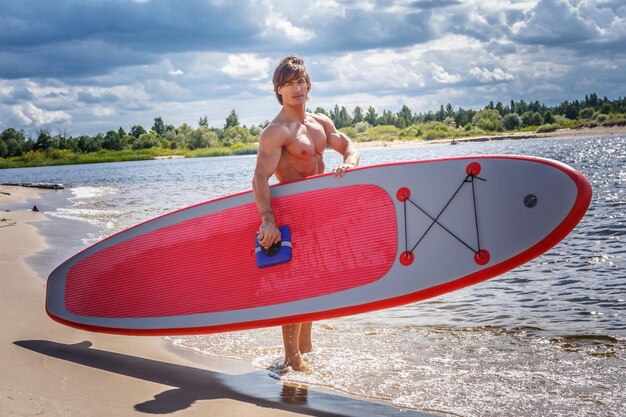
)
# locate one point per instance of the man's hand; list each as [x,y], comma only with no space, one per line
[340,171]
[268,235]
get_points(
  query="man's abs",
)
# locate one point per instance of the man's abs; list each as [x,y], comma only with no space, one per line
[292,168]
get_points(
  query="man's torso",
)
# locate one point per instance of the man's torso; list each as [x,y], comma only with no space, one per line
[302,154]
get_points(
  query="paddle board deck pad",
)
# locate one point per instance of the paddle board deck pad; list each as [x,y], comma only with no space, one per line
[276,254]
[381,236]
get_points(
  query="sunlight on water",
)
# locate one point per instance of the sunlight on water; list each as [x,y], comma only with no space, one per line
[466,371]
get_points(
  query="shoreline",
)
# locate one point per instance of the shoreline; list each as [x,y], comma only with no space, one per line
[49,369]
[211,152]
[559,133]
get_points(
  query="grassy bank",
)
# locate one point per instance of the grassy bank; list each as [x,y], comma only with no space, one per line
[421,132]
[66,157]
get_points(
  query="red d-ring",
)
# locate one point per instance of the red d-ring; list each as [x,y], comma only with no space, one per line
[473,169]
[403,194]
[406,258]
[482,257]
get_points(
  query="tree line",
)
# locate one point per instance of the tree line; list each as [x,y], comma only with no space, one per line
[515,115]
[492,118]
[16,143]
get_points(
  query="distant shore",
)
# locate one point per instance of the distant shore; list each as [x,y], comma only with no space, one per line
[564,133]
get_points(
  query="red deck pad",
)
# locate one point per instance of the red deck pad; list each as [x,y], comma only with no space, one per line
[193,267]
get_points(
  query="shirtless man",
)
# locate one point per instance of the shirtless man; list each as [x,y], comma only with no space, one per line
[292,147]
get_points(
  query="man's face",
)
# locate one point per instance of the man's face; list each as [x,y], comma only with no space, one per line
[294,91]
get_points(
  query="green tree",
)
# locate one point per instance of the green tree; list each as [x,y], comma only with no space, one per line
[531,118]
[158,126]
[512,121]
[43,141]
[372,116]
[4,150]
[112,141]
[147,140]
[406,116]
[592,100]
[236,134]
[500,108]
[344,119]
[449,122]
[357,115]
[488,119]
[586,113]
[321,110]
[203,137]
[605,108]
[15,143]
[387,119]
[463,117]
[14,148]
[232,120]
[88,144]
[334,116]
[548,117]
[449,111]
[441,114]
[255,130]
[361,127]
[137,131]
[204,121]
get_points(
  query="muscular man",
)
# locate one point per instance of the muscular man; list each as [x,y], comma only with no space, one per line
[292,147]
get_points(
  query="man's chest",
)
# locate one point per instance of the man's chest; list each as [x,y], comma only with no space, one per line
[307,140]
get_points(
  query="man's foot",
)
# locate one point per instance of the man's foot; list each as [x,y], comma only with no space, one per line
[296,363]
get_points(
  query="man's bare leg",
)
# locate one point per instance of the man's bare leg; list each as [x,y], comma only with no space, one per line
[304,342]
[291,338]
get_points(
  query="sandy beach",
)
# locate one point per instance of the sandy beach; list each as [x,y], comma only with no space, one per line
[51,370]
[559,133]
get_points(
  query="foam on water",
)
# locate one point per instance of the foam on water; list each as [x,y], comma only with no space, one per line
[486,371]
[89,204]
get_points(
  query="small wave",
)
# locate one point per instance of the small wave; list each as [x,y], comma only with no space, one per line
[93,216]
[87,192]
[411,366]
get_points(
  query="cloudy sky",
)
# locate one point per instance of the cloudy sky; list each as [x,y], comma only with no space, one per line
[78,66]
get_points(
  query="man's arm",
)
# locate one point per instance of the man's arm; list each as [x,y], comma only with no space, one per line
[268,156]
[351,156]
[341,143]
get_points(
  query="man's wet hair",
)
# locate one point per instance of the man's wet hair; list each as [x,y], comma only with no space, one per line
[290,68]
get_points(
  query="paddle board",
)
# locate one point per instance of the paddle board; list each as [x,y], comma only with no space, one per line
[381,236]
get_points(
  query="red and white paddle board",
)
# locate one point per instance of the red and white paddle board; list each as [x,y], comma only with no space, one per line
[381,236]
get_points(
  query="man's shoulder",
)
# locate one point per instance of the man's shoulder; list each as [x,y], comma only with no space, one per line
[320,118]
[275,131]
[324,121]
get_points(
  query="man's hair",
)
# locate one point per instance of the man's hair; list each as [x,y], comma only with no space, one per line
[289,69]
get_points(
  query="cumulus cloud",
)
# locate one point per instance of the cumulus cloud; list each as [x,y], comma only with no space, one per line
[486,75]
[554,22]
[442,76]
[277,26]
[31,115]
[247,67]
[86,67]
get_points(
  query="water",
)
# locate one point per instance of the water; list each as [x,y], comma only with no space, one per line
[548,338]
